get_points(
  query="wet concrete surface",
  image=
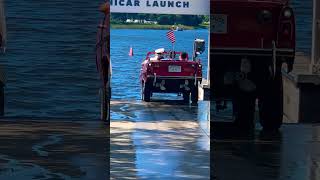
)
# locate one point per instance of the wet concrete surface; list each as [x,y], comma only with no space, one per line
[156,140]
[160,140]
[291,154]
[53,149]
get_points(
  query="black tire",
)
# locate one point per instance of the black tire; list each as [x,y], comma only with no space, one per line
[243,111]
[186,97]
[271,105]
[145,92]
[194,94]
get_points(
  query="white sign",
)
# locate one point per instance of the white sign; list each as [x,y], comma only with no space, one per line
[190,7]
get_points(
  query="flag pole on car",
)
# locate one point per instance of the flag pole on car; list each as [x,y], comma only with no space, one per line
[171,37]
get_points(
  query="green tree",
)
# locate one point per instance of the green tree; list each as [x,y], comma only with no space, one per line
[189,20]
[163,20]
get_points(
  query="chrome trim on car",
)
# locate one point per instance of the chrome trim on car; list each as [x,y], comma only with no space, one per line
[173,77]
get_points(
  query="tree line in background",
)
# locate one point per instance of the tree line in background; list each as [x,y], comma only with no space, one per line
[187,20]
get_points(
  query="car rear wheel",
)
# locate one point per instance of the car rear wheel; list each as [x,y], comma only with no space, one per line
[244,105]
[145,92]
[243,110]
[194,94]
[186,97]
[271,106]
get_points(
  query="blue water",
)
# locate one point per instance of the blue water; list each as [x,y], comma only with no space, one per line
[50,59]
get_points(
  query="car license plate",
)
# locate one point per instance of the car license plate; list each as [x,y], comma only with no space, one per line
[219,23]
[174,68]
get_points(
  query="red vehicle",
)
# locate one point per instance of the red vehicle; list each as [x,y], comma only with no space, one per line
[250,41]
[103,62]
[173,72]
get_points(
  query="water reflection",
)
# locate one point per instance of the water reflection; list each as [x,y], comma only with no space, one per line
[53,150]
[165,140]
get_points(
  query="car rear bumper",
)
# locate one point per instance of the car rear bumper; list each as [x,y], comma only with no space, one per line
[280,52]
[174,77]
[173,84]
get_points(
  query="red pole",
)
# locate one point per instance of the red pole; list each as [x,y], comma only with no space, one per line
[131,51]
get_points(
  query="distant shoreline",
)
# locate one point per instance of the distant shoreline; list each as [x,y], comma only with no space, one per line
[154,26]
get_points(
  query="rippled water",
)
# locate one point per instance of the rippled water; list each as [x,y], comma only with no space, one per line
[50,60]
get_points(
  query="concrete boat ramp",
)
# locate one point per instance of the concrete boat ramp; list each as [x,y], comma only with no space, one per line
[160,140]
[156,140]
[170,140]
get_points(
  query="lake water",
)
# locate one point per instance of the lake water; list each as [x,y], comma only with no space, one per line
[50,59]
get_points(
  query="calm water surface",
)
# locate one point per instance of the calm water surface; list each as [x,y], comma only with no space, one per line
[50,60]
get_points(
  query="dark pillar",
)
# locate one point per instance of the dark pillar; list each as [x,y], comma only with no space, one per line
[1,99]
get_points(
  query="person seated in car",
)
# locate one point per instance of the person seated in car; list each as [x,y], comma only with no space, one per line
[183,56]
[159,54]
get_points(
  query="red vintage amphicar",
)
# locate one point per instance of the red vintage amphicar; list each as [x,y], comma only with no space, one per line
[250,41]
[172,72]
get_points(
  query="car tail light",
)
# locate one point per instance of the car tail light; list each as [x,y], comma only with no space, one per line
[149,68]
[287,13]
[286,28]
[153,65]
